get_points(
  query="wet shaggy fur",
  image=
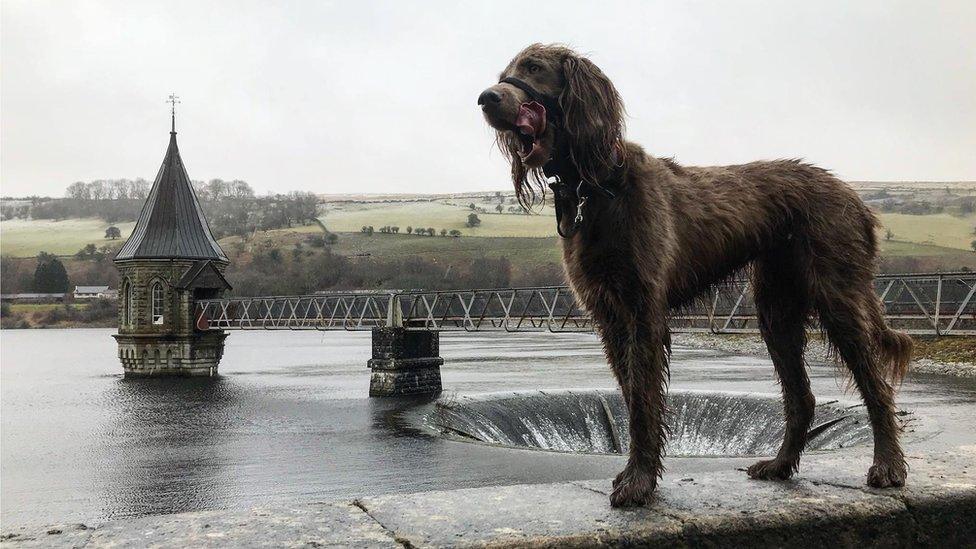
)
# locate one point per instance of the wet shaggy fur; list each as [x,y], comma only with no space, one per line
[672,233]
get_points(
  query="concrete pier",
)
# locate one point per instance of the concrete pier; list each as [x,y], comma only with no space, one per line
[405,362]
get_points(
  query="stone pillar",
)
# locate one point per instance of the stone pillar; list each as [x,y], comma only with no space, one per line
[405,362]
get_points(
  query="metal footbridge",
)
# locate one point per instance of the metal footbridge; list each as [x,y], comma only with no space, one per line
[941,304]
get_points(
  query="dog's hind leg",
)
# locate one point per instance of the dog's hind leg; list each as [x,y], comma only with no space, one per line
[783,308]
[848,315]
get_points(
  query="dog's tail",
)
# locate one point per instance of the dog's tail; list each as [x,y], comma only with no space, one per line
[894,353]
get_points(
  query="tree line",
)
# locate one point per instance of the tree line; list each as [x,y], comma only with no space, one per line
[950,203]
[48,274]
[420,231]
[231,207]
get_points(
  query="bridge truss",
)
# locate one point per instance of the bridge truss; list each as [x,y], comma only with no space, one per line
[934,304]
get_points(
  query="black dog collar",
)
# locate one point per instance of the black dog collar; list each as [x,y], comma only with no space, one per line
[562,193]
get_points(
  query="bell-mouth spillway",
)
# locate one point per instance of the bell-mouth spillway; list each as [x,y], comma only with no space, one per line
[594,421]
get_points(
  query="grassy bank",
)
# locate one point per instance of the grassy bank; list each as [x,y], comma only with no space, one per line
[27,238]
[946,349]
[439,215]
[904,256]
[525,251]
[950,355]
[938,230]
[935,235]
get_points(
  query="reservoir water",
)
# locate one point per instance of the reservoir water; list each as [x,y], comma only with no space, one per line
[288,420]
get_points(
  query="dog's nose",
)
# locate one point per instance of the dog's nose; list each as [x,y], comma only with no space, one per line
[489,96]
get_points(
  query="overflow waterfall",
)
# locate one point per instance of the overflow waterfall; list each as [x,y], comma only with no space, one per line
[595,421]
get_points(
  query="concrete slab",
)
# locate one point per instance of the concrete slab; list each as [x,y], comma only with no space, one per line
[938,485]
[316,525]
[54,536]
[728,509]
[825,506]
[535,515]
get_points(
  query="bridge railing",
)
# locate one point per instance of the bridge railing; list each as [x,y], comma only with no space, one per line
[931,303]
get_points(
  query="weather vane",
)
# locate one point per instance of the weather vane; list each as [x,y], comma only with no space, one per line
[173,100]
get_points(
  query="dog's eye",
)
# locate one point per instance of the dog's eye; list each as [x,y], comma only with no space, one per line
[534,69]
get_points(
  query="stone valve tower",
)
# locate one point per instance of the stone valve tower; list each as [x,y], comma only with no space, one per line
[170,260]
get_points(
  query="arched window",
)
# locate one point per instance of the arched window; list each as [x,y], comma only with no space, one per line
[156,306]
[126,301]
[130,304]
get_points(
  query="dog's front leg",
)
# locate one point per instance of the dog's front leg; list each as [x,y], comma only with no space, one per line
[638,352]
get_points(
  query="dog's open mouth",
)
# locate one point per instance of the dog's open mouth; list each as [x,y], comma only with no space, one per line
[530,125]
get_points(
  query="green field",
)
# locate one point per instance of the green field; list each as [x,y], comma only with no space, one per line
[526,252]
[940,235]
[341,217]
[938,229]
[898,248]
[27,308]
[529,252]
[25,238]
[941,241]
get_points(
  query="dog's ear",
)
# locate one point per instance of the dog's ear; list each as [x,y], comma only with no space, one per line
[593,119]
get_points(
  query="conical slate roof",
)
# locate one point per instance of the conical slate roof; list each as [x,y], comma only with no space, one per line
[171,224]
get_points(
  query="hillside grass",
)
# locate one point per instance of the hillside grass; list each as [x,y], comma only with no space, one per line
[925,257]
[340,218]
[28,308]
[899,248]
[26,238]
[946,349]
[942,230]
[524,251]
[527,252]
[936,232]
[529,238]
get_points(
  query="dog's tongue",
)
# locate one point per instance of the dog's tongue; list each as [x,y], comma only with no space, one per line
[531,119]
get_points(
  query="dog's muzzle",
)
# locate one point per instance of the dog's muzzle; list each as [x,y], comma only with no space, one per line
[553,111]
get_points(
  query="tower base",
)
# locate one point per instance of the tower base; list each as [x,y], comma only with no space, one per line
[405,363]
[171,355]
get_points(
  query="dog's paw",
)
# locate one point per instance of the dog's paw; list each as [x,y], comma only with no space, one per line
[633,488]
[618,478]
[772,469]
[887,475]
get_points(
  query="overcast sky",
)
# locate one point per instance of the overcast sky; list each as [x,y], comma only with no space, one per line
[358,96]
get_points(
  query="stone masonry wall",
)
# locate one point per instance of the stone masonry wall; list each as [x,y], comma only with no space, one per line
[178,316]
[173,347]
[405,362]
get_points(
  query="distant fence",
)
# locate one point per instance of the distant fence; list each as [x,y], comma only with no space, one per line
[931,303]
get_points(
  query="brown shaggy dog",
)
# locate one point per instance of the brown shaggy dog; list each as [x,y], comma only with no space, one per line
[643,236]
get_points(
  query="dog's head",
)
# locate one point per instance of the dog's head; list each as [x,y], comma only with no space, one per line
[549,102]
